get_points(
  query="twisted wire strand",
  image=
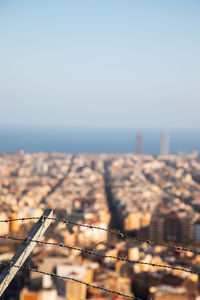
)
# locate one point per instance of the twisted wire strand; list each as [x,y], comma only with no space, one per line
[94,253]
[118,233]
[75,280]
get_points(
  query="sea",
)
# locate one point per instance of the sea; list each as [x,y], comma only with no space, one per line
[95,140]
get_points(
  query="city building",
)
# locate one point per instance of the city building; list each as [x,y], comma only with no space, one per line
[171,225]
[165,292]
[139,143]
[164,144]
[197,231]
[152,198]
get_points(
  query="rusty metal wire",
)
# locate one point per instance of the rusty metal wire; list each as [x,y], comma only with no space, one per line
[75,280]
[118,233]
[95,253]
[98,254]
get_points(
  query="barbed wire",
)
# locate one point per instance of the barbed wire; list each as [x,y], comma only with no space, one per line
[118,233]
[94,253]
[73,279]
[98,254]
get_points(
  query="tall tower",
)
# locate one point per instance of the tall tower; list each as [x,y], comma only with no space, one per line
[139,143]
[164,144]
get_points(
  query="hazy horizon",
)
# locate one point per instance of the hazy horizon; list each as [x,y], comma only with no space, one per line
[94,140]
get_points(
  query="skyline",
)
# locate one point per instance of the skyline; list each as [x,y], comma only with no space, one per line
[107,64]
[94,140]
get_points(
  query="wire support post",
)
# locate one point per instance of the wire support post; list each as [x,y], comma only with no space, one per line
[25,249]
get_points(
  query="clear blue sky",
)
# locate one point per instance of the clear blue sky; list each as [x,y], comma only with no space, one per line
[106,63]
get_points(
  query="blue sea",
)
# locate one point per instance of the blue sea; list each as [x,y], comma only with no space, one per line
[94,140]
